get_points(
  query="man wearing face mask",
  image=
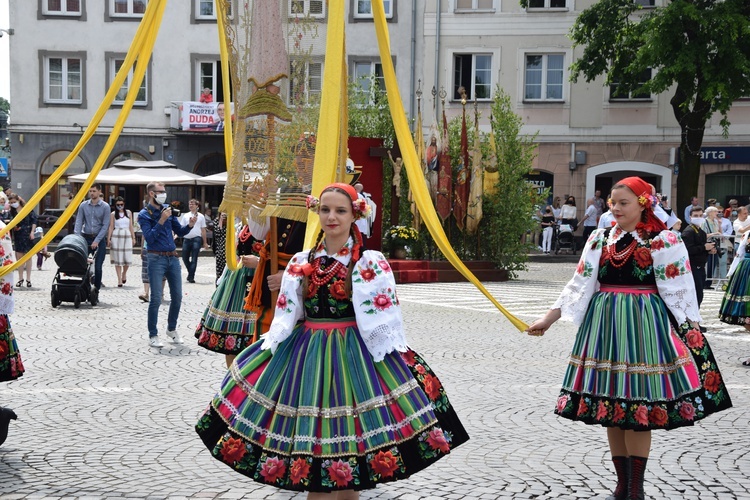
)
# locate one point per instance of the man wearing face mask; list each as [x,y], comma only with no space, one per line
[92,222]
[159,228]
[698,249]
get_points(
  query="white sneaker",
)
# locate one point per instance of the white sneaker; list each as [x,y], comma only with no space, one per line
[176,339]
[155,342]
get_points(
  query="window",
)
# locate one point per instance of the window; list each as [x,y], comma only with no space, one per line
[363,9]
[473,72]
[305,82]
[547,4]
[115,63]
[127,8]
[369,76]
[206,9]
[303,8]
[61,7]
[63,80]
[208,75]
[474,5]
[618,92]
[544,77]
[646,3]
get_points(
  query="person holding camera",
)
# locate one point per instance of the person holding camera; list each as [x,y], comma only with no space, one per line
[698,249]
[712,227]
[159,224]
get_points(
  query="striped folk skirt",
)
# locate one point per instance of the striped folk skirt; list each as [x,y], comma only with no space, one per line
[226,327]
[320,415]
[735,306]
[631,369]
[11,365]
[121,252]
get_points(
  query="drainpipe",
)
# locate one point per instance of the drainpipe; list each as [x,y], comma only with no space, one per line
[437,59]
[412,113]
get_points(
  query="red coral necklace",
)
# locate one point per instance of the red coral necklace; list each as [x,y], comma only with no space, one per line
[618,259]
[244,234]
[321,276]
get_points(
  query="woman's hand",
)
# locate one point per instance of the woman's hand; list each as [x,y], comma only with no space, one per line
[540,326]
[250,261]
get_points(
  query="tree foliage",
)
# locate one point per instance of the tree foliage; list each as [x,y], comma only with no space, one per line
[4,105]
[697,49]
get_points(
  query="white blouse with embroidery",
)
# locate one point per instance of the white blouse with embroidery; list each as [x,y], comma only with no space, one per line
[671,267]
[376,307]
[6,282]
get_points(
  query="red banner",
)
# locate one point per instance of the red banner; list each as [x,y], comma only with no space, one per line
[444,188]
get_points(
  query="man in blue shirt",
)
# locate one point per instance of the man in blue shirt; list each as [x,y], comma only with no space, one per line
[159,228]
[92,222]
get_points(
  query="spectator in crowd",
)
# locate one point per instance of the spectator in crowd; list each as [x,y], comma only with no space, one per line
[206,96]
[712,227]
[698,249]
[600,204]
[194,240]
[23,236]
[590,218]
[741,225]
[548,225]
[730,212]
[218,244]
[568,213]
[556,207]
[726,247]
[693,204]
[92,222]
[42,254]
[159,228]
[121,239]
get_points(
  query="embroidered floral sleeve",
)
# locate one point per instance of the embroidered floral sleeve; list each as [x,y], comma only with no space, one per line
[739,255]
[575,297]
[376,305]
[6,282]
[289,306]
[673,276]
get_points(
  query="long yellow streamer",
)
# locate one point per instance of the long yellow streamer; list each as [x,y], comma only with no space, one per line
[140,53]
[411,163]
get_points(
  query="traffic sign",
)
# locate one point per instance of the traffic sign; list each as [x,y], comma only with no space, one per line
[3,168]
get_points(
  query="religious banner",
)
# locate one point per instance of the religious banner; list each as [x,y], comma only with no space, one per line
[462,178]
[474,212]
[444,191]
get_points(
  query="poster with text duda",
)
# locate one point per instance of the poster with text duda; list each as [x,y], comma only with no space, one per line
[203,117]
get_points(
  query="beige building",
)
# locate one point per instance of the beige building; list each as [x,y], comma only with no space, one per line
[588,137]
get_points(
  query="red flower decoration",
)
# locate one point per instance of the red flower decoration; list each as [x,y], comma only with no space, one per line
[687,410]
[295,270]
[382,302]
[344,251]
[657,244]
[368,274]
[436,440]
[273,469]
[384,463]
[213,340]
[642,257]
[694,339]
[232,450]
[641,415]
[672,271]
[299,470]
[281,302]
[601,411]
[338,289]
[619,414]
[712,381]
[658,416]
[432,387]
[340,472]
[562,402]
[384,265]
[7,288]
[4,351]
[583,408]
[409,357]
[257,247]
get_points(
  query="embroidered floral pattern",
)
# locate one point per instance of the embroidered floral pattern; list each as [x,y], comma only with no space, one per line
[221,342]
[433,443]
[272,469]
[671,270]
[385,464]
[339,474]
[299,471]
[11,364]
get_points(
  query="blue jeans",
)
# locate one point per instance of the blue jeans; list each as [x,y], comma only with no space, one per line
[160,267]
[101,253]
[191,247]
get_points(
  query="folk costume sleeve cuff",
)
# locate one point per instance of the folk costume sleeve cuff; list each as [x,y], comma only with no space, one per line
[674,278]
[576,295]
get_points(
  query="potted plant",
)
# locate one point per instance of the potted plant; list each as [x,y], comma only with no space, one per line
[400,239]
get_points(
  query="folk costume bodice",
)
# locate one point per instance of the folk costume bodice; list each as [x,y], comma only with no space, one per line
[373,302]
[614,257]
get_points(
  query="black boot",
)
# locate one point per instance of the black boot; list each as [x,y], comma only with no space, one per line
[622,468]
[637,471]
[6,415]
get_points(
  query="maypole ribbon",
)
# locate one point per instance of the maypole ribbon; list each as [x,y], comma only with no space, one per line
[411,163]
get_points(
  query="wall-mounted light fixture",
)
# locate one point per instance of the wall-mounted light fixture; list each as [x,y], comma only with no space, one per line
[9,31]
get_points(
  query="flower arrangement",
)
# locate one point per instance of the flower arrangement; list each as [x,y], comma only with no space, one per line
[401,236]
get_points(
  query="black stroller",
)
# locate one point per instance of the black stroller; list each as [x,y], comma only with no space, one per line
[72,282]
[565,239]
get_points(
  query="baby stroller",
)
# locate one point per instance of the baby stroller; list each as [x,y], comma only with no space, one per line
[565,240]
[72,282]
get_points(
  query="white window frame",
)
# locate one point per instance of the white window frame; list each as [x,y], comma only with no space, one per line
[129,13]
[547,8]
[471,92]
[475,7]
[212,17]
[65,76]
[545,58]
[199,85]
[387,6]
[306,9]
[63,9]
[126,84]
[371,75]
[307,92]
[629,98]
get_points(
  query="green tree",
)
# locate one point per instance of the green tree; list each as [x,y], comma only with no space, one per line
[4,105]
[508,210]
[697,49]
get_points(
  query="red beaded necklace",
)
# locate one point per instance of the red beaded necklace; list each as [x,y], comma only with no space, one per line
[321,276]
[244,234]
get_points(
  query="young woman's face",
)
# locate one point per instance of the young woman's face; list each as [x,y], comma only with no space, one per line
[336,213]
[625,208]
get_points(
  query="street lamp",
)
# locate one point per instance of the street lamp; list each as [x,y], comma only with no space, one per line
[9,31]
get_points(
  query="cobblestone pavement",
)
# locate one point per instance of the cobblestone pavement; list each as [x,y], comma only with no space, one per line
[102,415]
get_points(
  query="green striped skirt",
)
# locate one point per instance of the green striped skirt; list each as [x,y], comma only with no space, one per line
[735,306]
[226,326]
[631,369]
[320,415]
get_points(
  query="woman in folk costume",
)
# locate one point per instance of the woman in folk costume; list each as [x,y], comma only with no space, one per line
[637,365]
[735,306]
[331,400]
[11,365]
[226,326]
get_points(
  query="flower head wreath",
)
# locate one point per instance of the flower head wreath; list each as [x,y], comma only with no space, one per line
[360,207]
